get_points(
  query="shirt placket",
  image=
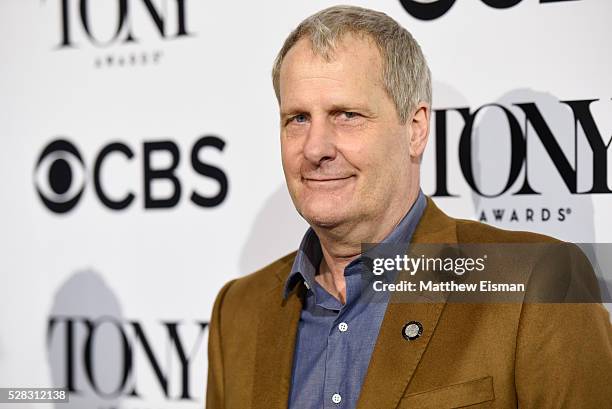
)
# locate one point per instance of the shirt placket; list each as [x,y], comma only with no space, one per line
[336,367]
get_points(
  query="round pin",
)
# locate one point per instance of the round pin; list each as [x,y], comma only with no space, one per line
[412,330]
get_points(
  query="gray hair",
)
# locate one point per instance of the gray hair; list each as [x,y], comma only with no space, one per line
[405,74]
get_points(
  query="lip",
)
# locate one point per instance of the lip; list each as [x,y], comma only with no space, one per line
[327,183]
[326,179]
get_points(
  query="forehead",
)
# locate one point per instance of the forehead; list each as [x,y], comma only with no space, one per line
[354,68]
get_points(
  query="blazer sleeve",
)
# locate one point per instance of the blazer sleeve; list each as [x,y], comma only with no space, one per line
[215,382]
[564,349]
[564,356]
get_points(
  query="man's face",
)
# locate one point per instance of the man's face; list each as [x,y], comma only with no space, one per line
[344,152]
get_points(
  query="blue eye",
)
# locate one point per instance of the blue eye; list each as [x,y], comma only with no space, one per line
[350,115]
[300,118]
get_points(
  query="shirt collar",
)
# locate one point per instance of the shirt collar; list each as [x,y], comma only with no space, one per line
[309,253]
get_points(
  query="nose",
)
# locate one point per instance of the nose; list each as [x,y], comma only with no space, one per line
[320,144]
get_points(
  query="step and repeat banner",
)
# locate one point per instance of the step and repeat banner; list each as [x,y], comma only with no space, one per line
[140,165]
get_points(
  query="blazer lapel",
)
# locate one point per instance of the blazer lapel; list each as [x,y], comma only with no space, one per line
[276,335]
[395,359]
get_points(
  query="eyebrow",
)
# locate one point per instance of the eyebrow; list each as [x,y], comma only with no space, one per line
[358,107]
[289,112]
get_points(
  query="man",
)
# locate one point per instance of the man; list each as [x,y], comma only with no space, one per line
[354,93]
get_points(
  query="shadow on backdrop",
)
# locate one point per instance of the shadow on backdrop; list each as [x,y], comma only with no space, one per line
[276,231]
[85,296]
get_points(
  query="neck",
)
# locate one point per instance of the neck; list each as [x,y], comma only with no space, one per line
[342,244]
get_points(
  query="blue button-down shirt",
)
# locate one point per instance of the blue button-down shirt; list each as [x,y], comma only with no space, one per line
[335,341]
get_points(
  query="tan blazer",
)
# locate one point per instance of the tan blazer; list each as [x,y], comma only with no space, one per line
[469,355]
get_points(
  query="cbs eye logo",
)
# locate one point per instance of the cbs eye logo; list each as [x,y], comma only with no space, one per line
[59,176]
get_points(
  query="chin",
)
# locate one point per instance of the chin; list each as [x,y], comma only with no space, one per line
[326,222]
[325,215]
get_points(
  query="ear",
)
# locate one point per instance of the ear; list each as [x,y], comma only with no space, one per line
[419,129]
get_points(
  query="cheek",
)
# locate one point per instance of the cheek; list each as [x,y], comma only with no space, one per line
[365,155]
[392,149]
[290,158]
[379,157]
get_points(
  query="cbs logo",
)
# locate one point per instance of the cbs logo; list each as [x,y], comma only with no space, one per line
[60,175]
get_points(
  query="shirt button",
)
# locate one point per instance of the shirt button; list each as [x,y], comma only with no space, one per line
[343,326]
[336,398]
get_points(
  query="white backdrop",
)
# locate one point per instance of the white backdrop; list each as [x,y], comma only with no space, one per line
[114,303]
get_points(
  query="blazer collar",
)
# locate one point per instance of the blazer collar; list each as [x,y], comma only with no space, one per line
[276,336]
[395,359]
[385,380]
